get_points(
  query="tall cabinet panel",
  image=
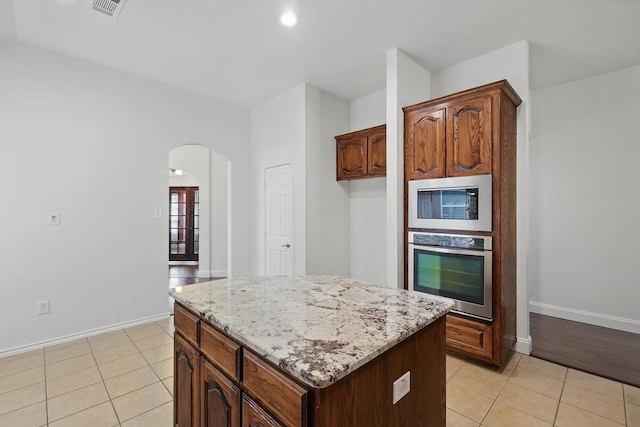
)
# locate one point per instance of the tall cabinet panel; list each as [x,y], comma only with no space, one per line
[474,133]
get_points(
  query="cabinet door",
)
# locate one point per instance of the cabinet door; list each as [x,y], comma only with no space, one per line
[254,416]
[219,399]
[425,144]
[377,153]
[469,137]
[186,369]
[352,158]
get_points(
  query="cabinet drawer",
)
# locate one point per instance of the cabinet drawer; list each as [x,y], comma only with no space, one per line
[470,336]
[278,394]
[220,350]
[254,416]
[186,323]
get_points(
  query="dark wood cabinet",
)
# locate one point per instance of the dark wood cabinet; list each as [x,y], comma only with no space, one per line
[255,416]
[474,133]
[352,158]
[377,151]
[281,396]
[186,374]
[253,392]
[469,135]
[361,154]
[425,143]
[220,406]
[470,336]
[211,371]
[449,138]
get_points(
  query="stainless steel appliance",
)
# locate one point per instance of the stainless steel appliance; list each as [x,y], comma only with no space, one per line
[453,266]
[458,203]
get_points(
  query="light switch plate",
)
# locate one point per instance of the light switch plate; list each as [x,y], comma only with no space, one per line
[401,387]
[157,213]
[43,307]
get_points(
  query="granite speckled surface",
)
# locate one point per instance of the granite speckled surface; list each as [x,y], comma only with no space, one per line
[317,328]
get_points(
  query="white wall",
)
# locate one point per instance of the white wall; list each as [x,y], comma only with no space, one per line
[584,263]
[277,137]
[91,143]
[511,63]
[407,84]
[368,111]
[298,127]
[219,213]
[183,180]
[327,201]
[368,199]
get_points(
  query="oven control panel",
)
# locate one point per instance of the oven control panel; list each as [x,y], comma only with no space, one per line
[482,243]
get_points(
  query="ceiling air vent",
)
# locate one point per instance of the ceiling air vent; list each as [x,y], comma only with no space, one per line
[110,8]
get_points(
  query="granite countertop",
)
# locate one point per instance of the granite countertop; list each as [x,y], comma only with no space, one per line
[317,328]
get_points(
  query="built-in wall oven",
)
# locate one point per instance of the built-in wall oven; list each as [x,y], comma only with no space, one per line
[453,266]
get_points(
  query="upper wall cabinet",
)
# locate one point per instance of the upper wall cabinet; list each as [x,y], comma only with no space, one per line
[424,143]
[362,154]
[469,137]
[457,134]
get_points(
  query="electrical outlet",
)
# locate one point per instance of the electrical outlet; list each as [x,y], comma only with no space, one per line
[54,218]
[401,387]
[43,307]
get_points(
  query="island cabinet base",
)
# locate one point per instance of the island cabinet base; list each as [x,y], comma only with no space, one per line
[224,383]
[365,396]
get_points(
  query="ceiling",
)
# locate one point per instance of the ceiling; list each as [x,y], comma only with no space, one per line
[238,52]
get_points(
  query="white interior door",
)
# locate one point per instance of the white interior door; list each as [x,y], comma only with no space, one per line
[279,221]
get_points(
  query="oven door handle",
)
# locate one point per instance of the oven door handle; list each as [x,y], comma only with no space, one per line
[448,250]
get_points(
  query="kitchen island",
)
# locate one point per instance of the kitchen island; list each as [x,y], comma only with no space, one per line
[314,351]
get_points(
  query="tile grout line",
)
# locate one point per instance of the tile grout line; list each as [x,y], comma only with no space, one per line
[46,393]
[624,403]
[126,373]
[59,376]
[87,341]
[104,384]
[624,406]
[499,391]
[564,381]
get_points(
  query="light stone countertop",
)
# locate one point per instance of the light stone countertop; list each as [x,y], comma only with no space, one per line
[317,328]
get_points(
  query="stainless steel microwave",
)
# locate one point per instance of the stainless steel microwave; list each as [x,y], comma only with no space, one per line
[457,203]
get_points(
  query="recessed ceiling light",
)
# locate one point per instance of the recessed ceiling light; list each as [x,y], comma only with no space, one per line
[289,19]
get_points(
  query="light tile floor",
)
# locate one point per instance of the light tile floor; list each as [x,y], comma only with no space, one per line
[124,378]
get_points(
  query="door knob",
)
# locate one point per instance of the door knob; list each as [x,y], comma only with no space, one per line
[286,246]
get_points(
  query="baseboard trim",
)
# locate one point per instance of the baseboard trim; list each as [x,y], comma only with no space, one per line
[523,345]
[61,340]
[597,319]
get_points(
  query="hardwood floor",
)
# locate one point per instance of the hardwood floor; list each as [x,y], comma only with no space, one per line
[185,273]
[605,352]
